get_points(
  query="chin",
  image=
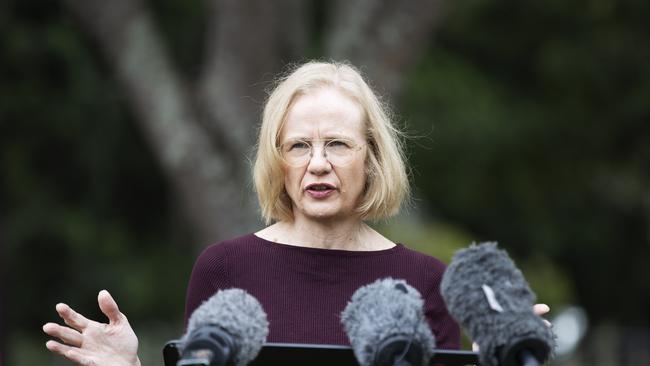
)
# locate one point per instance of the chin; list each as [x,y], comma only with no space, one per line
[322,213]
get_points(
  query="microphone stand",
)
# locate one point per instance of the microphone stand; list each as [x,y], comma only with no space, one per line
[524,352]
[527,358]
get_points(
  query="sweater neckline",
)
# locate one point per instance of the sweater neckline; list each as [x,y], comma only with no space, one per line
[325,251]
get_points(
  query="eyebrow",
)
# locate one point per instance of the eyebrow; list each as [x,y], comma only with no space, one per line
[327,137]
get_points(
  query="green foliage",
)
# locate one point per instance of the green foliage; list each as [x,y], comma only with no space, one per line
[536,117]
[442,240]
[433,238]
[85,206]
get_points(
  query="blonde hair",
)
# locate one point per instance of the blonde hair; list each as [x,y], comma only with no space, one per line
[387,184]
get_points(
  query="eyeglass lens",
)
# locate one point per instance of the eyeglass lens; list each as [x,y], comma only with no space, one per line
[337,151]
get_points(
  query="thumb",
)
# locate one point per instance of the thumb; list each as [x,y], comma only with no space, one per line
[541,309]
[109,307]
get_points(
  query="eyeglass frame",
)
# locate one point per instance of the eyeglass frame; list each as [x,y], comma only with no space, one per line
[310,142]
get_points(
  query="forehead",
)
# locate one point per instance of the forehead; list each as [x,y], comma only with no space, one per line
[324,113]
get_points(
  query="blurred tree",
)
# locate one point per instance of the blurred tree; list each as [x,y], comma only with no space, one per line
[201,128]
[540,120]
[538,115]
[89,205]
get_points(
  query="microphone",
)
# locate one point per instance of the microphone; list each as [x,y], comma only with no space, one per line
[228,329]
[490,297]
[385,324]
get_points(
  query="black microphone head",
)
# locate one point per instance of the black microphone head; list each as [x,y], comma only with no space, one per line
[385,319]
[236,314]
[491,299]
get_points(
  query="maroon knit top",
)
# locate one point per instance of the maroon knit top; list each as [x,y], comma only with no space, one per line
[303,290]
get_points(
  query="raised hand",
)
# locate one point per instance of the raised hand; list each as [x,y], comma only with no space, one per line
[87,342]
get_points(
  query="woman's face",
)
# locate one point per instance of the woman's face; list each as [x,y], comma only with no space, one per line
[320,186]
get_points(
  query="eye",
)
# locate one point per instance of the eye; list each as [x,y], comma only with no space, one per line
[299,145]
[340,144]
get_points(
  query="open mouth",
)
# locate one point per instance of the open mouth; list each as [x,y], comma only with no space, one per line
[320,190]
[320,187]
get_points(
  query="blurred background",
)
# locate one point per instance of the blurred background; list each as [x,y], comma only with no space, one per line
[127,129]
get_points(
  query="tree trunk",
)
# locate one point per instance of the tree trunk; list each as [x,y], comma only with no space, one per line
[202,132]
[206,176]
[384,38]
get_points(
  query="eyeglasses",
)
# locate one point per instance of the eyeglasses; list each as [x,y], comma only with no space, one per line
[338,152]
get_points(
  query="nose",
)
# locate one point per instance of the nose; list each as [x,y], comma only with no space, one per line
[318,163]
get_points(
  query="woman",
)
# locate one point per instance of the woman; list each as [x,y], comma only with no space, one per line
[328,159]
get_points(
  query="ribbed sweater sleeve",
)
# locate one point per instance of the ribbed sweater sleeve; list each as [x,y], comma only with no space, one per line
[208,276]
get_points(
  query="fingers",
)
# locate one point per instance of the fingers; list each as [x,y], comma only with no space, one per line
[71,353]
[67,335]
[541,309]
[71,317]
[109,307]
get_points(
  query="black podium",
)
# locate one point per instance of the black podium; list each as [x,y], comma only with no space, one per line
[294,354]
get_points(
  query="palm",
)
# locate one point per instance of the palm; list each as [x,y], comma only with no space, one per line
[109,341]
[88,342]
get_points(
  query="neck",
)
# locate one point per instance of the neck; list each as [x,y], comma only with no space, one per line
[351,234]
[329,234]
